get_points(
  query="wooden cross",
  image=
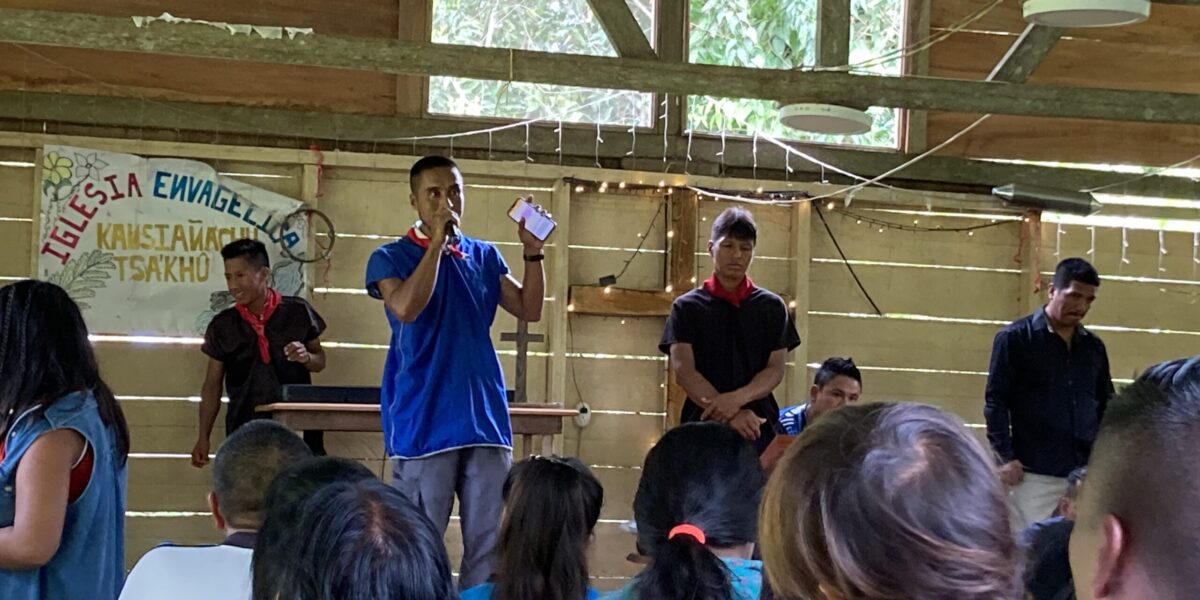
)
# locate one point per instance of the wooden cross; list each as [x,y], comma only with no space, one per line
[522,337]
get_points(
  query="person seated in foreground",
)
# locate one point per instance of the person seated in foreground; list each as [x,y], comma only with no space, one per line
[245,464]
[551,506]
[285,502]
[886,501]
[1137,528]
[696,510]
[365,540]
[1048,575]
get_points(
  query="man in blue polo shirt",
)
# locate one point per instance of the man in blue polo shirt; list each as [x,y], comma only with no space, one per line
[444,408]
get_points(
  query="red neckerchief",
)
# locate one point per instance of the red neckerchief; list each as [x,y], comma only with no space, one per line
[259,324]
[714,287]
[419,238]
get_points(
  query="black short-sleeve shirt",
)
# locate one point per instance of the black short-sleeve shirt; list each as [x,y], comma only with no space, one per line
[732,344]
[248,381]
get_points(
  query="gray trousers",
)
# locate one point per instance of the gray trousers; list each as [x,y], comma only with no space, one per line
[476,476]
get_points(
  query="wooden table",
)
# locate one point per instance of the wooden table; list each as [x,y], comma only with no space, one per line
[528,420]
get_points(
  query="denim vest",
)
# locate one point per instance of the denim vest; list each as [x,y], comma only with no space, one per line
[90,560]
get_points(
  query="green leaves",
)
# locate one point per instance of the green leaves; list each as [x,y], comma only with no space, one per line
[85,274]
[774,34]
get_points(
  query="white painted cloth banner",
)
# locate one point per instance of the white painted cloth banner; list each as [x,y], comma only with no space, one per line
[136,241]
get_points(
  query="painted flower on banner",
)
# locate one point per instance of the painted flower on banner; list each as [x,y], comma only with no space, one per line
[88,166]
[56,170]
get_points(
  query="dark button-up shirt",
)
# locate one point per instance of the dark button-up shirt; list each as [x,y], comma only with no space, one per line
[1045,399]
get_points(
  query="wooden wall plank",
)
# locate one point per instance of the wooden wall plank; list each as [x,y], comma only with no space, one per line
[1074,140]
[171,77]
[943,293]
[993,247]
[638,388]
[196,80]
[1169,26]
[17,185]
[903,343]
[1151,64]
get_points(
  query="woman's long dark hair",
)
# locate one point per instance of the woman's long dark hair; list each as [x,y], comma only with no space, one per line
[365,540]
[701,474]
[45,355]
[551,507]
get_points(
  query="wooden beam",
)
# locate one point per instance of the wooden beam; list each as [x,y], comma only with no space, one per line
[419,58]
[1026,54]
[619,302]
[936,172]
[557,280]
[914,122]
[622,29]
[671,42]
[801,254]
[670,30]
[681,275]
[833,33]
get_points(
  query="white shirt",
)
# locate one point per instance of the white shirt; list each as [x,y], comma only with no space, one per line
[191,573]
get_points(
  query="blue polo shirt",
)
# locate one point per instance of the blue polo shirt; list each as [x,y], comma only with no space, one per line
[442,384]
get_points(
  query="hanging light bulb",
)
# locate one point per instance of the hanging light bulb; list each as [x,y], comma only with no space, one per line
[579,189]
[621,185]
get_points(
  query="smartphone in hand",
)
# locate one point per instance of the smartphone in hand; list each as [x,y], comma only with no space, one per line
[536,223]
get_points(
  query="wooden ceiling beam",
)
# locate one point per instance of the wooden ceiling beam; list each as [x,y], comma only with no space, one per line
[622,29]
[94,32]
[833,33]
[1026,54]
[740,156]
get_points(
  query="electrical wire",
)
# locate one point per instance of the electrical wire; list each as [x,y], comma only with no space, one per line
[846,261]
[645,236]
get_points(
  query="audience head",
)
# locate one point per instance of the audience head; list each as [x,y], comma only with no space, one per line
[734,235]
[699,492]
[285,501]
[1073,291]
[837,383]
[45,355]
[247,270]
[551,506]
[435,181]
[246,464]
[1137,525]
[884,501]
[1067,504]
[365,540]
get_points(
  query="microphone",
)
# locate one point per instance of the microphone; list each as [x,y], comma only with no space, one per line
[452,235]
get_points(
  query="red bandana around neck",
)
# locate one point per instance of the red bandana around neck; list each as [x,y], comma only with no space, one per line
[259,324]
[714,287]
[420,239]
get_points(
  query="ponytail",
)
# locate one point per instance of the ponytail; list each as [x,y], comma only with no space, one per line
[699,491]
[681,568]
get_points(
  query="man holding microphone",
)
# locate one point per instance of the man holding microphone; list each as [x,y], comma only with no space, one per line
[443,400]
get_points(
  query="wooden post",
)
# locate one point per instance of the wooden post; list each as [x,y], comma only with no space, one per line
[671,35]
[416,25]
[915,122]
[36,237]
[310,176]
[1032,288]
[833,33]
[558,285]
[801,251]
[681,273]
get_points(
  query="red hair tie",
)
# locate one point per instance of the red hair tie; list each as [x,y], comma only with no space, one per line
[691,530]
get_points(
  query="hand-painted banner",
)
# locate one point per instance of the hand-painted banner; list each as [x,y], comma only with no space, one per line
[137,241]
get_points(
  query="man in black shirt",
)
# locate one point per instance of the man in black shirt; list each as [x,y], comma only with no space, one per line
[1047,388]
[263,342]
[728,340]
